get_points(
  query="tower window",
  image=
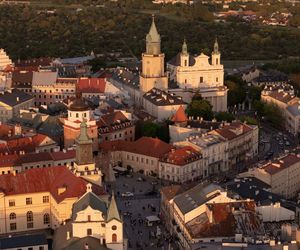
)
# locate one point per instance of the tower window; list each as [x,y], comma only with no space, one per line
[89,231]
[217,79]
[201,79]
[185,63]
[217,61]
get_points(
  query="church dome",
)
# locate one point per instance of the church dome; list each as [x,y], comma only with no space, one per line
[78,104]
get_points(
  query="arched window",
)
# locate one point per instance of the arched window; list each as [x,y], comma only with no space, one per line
[114,238]
[29,216]
[217,61]
[46,218]
[12,216]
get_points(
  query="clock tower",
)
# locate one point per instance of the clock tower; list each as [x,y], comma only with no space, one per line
[84,164]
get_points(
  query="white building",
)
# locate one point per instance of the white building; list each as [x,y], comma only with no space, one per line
[197,73]
[214,151]
[181,165]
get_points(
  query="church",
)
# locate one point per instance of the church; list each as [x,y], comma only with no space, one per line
[200,73]
[189,74]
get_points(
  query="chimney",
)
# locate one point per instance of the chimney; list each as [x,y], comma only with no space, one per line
[68,235]
[18,99]
[86,246]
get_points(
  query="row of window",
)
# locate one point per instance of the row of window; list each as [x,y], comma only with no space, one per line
[29,219]
[50,91]
[139,159]
[12,203]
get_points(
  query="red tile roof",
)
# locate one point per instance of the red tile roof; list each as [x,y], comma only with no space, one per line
[8,160]
[27,144]
[181,156]
[45,180]
[91,85]
[234,130]
[148,146]
[180,115]
[225,220]
[61,155]
[281,164]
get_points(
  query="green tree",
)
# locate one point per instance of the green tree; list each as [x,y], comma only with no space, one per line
[249,120]
[200,108]
[224,116]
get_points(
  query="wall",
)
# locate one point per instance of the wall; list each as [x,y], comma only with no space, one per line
[274,212]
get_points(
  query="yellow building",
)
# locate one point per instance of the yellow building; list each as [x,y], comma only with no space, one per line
[39,198]
[153,70]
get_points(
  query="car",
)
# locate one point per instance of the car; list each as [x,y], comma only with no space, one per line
[127,194]
[140,179]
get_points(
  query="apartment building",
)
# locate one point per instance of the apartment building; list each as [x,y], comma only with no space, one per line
[214,151]
[242,141]
[141,155]
[115,126]
[283,175]
[181,165]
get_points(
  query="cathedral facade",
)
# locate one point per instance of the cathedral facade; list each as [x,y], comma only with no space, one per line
[199,73]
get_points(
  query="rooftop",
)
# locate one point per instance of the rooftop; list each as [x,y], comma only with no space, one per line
[91,85]
[196,196]
[14,97]
[49,179]
[162,98]
[149,146]
[281,164]
[181,156]
[19,241]
[233,130]
[113,121]
[180,115]
[227,219]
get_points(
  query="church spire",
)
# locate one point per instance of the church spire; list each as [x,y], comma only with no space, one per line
[153,39]
[216,47]
[184,48]
[113,212]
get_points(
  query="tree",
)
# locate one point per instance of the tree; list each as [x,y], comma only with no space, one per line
[237,92]
[151,129]
[224,116]
[97,63]
[249,120]
[200,108]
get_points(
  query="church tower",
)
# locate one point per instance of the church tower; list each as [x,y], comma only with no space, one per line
[84,164]
[216,55]
[184,55]
[153,73]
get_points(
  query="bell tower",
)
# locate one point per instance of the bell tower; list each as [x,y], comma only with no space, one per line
[216,55]
[184,55]
[153,73]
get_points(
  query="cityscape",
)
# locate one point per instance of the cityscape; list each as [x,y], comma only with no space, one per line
[138,124]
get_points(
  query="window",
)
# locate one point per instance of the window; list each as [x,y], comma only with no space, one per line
[201,79]
[46,218]
[29,224]
[41,248]
[12,216]
[89,231]
[13,226]
[217,79]
[29,216]
[11,203]
[46,199]
[185,63]
[77,115]
[114,238]
[114,227]
[217,61]
[89,218]
[28,201]
[30,248]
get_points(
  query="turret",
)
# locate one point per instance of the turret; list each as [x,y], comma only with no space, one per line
[184,55]
[153,40]
[216,55]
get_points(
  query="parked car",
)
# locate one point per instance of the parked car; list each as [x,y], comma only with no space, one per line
[127,194]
